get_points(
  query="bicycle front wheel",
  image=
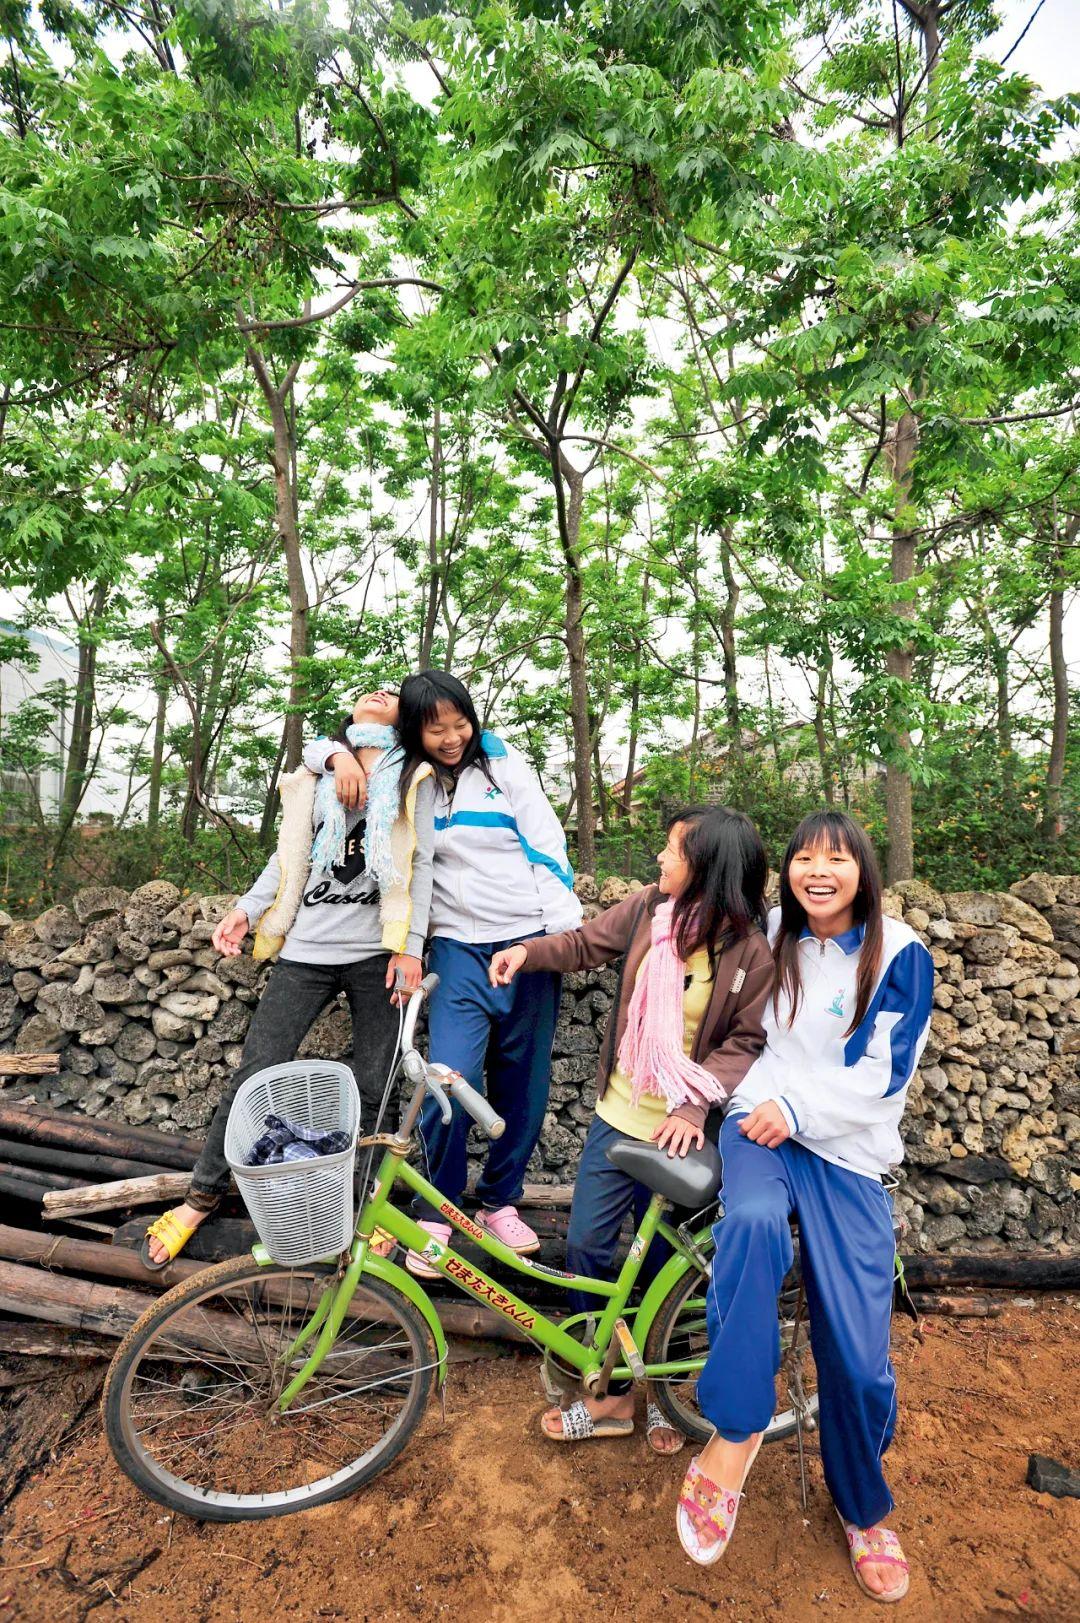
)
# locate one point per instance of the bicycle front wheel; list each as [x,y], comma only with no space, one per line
[190,1401]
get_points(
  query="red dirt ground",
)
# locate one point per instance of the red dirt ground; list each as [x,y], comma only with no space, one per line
[481,1519]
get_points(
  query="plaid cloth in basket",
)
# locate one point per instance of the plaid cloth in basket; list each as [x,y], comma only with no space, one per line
[288,1141]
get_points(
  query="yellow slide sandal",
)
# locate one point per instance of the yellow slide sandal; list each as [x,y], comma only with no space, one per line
[169,1232]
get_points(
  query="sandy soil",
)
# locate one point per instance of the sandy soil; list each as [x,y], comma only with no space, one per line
[483,1519]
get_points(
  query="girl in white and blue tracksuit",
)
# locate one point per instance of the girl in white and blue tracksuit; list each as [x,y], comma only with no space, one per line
[501,875]
[810,1132]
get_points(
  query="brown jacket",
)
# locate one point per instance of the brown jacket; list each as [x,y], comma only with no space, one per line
[730,1036]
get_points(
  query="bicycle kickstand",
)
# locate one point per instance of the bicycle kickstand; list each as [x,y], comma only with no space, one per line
[798,1391]
[800,1404]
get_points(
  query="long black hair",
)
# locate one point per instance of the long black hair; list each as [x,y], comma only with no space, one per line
[418,703]
[723,899]
[829,831]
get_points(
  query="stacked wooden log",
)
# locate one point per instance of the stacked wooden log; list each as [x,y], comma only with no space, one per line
[80,1295]
[67,1169]
[44,1152]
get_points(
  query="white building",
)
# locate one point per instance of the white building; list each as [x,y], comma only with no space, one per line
[54,664]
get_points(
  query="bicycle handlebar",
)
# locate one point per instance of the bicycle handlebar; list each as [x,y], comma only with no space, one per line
[474,1104]
[412,1013]
[440,1080]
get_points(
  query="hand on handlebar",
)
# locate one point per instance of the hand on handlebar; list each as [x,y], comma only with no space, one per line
[403,973]
[505,964]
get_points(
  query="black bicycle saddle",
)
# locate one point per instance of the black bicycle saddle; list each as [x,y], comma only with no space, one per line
[688,1180]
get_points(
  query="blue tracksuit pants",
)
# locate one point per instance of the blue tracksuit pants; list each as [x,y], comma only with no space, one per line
[847,1251]
[512,1028]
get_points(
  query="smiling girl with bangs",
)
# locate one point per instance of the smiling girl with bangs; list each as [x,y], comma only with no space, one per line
[501,876]
[810,1132]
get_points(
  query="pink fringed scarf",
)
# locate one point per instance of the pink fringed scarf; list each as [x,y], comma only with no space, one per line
[651,1051]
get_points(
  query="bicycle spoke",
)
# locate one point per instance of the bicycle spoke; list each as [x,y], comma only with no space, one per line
[201,1402]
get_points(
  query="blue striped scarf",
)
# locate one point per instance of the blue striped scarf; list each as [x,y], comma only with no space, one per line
[380,810]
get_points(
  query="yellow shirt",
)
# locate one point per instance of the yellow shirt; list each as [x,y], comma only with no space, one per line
[642,1120]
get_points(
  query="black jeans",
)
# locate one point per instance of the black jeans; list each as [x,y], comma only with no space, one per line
[295,995]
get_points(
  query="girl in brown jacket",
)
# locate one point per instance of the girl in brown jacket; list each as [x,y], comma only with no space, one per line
[685,1029]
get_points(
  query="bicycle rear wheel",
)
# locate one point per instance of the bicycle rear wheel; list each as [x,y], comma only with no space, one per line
[679,1334]
[190,1399]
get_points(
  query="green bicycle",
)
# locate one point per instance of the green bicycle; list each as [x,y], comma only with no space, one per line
[254,1390]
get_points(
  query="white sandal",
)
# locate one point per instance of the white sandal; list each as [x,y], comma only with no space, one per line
[657,1420]
[579,1426]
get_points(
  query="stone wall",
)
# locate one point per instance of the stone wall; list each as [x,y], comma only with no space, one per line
[149,1021]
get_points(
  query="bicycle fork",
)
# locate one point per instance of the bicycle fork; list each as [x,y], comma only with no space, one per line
[325,1324]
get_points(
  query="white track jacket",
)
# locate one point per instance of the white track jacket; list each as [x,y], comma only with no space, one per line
[843,1096]
[501,868]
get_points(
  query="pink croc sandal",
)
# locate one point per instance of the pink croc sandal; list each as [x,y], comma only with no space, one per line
[876,1545]
[705,1518]
[507,1226]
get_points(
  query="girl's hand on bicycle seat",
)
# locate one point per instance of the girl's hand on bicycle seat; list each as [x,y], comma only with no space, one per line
[229,932]
[678,1136]
[766,1125]
[505,965]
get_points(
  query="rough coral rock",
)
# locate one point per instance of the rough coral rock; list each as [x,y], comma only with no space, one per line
[991,1129]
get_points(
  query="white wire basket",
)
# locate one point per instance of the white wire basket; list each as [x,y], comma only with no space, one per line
[303,1210]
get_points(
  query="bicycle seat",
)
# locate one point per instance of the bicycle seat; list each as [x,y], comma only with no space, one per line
[688,1180]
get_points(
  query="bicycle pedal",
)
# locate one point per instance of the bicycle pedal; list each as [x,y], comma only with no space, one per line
[557,1384]
[634,1360]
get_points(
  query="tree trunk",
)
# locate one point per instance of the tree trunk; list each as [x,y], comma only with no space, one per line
[210,718]
[82,720]
[631,749]
[694,751]
[999,655]
[98,1137]
[203,723]
[431,611]
[74,1198]
[270,806]
[189,819]
[157,757]
[89,1257]
[29,1064]
[828,783]
[770,711]
[839,751]
[289,529]
[635,708]
[899,661]
[600,790]
[16,1152]
[35,1293]
[1054,820]
[901,453]
[732,708]
[279,401]
[569,480]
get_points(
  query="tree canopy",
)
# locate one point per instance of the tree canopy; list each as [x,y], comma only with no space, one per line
[696,379]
